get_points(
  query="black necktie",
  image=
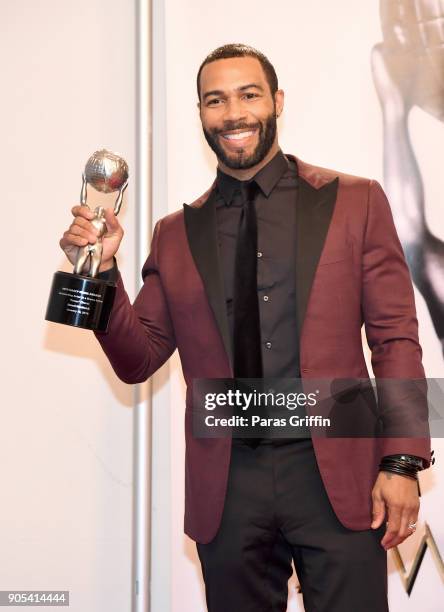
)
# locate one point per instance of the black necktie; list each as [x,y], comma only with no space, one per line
[246,329]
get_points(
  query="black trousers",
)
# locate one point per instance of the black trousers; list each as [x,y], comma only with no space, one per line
[276,510]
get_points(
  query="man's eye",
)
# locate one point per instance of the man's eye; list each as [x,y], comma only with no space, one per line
[214,102]
[251,95]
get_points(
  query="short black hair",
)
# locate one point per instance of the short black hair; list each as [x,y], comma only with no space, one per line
[240,50]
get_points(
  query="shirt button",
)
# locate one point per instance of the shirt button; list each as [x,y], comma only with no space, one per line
[265,298]
[268,345]
[259,253]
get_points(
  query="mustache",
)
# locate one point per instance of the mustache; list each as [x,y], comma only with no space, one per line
[232,125]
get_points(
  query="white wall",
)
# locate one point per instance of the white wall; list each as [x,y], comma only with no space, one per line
[68,82]
[321,52]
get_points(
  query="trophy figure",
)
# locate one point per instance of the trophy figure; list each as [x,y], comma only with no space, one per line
[81,299]
[408,71]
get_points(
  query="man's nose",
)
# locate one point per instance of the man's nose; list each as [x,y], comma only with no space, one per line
[234,110]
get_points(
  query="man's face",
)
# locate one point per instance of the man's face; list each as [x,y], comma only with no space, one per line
[237,111]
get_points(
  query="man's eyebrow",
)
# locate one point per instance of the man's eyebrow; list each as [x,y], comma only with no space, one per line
[213,92]
[250,86]
[219,92]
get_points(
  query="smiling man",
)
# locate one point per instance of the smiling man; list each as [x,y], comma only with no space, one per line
[271,274]
[239,120]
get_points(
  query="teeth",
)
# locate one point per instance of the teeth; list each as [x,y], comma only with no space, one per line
[237,136]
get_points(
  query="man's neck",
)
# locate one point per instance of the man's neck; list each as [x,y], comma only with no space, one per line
[247,173]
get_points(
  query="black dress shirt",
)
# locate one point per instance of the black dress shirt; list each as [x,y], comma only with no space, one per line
[276,274]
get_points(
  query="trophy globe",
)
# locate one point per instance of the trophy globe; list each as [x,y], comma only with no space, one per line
[106,171]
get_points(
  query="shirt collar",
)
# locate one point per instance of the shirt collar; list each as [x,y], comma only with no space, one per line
[267,178]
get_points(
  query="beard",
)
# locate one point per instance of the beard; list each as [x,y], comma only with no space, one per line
[239,160]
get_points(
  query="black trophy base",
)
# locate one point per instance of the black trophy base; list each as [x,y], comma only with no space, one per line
[80,301]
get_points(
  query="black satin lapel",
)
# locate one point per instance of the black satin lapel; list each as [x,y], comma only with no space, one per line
[201,230]
[314,210]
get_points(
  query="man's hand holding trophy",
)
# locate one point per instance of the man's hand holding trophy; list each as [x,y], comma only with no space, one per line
[90,243]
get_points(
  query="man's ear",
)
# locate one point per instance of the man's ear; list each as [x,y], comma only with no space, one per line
[279,101]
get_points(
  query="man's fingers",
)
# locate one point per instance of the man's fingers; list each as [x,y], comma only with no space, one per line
[82,211]
[89,234]
[83,216]
[409,517]
[393,525]
[390,534]
[82,222]
[83,231]
[399,519]
[112,224]
[68,240]
[378,513]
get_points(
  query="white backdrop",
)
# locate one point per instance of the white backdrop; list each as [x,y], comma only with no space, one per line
[321,52]
[68,76]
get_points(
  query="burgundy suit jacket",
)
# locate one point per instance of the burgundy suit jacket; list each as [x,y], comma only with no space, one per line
[350,271]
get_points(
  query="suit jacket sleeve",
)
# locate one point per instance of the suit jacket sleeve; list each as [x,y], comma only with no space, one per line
[140,337]
[391,328]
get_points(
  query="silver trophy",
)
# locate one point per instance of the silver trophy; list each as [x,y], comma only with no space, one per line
[106,172]
[81,299]
[408,72]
